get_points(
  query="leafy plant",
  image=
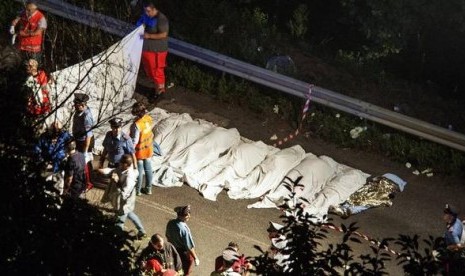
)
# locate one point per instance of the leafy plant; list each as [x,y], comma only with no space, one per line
[298,24]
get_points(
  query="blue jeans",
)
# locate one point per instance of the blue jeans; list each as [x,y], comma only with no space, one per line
[144,166]
[132,217]
[354,209]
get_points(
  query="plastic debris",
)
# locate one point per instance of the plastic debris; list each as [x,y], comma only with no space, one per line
[426,171]
[355,132]
[408,165]
[338,115]
[274,137]
[276,109]
[416,172]
[219,30]
[429,174]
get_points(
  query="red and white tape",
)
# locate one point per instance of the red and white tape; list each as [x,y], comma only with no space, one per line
[363,236]
[304,115]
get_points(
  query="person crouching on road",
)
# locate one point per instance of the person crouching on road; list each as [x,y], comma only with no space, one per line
[51,147]
[121,192]
[142,137]
[239,262]
[179,234]
[164,253]
[115,144]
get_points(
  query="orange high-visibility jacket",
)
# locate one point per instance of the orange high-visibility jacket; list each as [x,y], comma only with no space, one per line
[31,43]
[144,147]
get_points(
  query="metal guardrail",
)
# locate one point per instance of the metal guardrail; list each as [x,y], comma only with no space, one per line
[267,78]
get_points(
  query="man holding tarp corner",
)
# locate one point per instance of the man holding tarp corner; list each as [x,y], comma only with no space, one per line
[155,47]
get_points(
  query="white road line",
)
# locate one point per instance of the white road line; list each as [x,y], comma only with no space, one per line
[212,226]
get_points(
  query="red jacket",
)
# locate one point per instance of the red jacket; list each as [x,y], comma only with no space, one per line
[31,24]
[39,101]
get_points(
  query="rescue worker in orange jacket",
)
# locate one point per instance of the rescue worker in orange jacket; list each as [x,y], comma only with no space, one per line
[142,137]
[32,25]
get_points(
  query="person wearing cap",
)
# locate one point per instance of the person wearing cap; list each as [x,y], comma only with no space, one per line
[155,46]
[83,123]
[163,252]
[142,137]
[121,192]
[32,25]
[239,265]
[274,230]
[229,258]
[454,228]
[454,242]
[75,178]
[50,149]
[37,82]
[179,234]
[115,144]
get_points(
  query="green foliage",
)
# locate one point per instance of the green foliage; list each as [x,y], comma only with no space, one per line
[41,233]
[322,122]
[70,43]
[8,11]
[415,39]
[309,253]
[299,22]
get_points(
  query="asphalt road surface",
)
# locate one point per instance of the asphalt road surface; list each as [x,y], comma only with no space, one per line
[417,210]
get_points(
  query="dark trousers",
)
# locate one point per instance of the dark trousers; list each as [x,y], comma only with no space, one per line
[187,261]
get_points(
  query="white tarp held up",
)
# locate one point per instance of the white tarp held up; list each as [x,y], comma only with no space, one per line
[207,157]
[109,79]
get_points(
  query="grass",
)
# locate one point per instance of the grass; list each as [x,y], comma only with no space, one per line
[322,122]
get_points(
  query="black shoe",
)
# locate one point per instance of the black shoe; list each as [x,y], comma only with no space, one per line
[141,235]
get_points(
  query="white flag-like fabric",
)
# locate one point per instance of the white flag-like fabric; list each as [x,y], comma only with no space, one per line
[109,79]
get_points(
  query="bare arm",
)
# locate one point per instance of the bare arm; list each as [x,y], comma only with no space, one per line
[156,36]
[192,252]
[87,143]
[68,180]
[134,160]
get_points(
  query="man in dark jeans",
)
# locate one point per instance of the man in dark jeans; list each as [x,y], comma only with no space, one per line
[75,178]
[83,123]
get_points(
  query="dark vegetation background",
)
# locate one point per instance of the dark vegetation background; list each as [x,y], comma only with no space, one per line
[404,53]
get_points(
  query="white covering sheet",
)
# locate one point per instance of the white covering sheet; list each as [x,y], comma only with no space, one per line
[205,150]
[336,190]
[207,157]
[109,79]
[267,175]
[314,171]
[233,166]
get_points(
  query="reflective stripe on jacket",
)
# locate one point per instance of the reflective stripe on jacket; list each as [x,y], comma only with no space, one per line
[144,147]
[31,43]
